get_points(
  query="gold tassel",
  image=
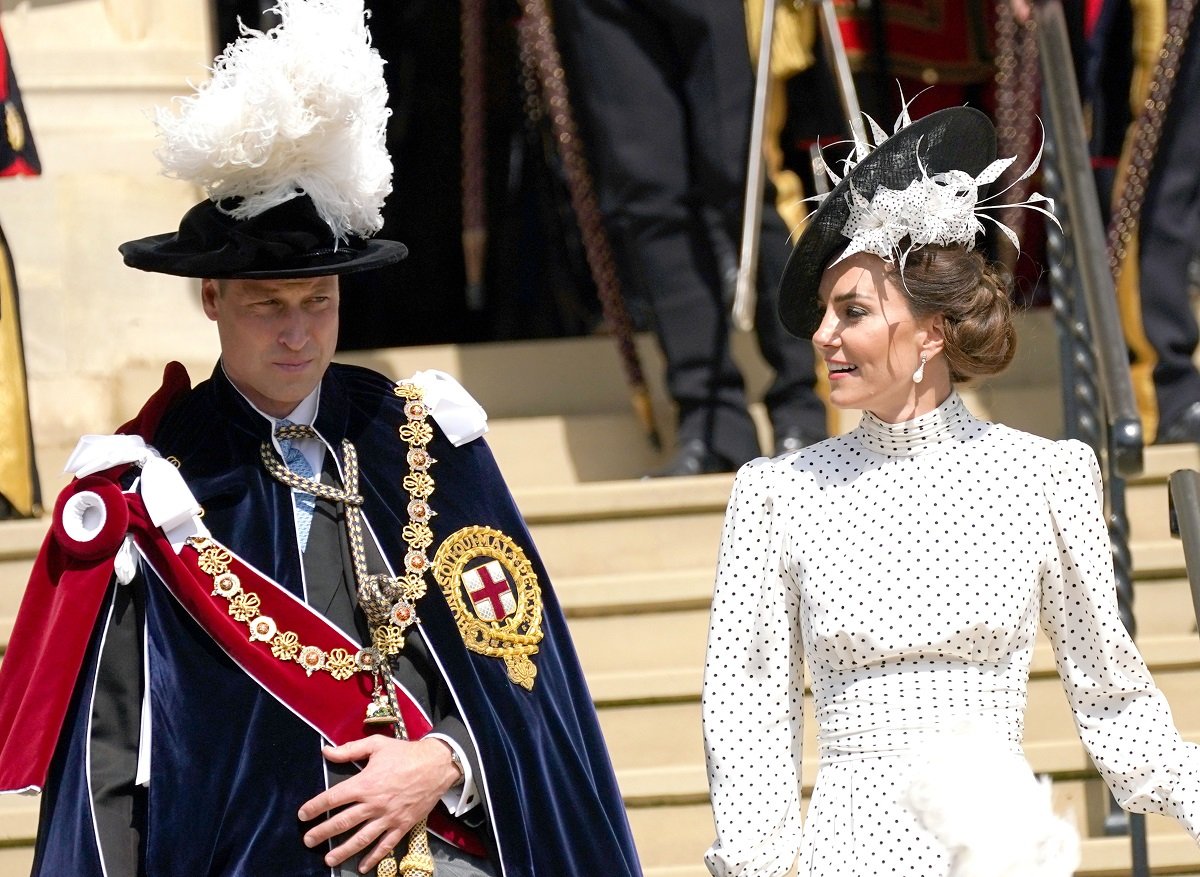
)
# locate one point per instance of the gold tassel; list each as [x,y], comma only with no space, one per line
[418,862]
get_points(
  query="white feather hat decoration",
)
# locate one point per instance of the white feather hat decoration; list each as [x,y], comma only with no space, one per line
[298,109]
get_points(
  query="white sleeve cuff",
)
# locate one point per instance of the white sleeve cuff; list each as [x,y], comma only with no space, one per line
[462,797]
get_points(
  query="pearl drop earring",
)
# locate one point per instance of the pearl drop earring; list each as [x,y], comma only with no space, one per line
[919,374]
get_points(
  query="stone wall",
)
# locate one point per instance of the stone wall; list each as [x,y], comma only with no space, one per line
[96,333]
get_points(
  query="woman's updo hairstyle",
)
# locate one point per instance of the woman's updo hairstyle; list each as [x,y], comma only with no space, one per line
[973,297]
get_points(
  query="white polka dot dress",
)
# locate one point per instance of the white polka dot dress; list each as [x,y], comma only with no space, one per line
[909,565]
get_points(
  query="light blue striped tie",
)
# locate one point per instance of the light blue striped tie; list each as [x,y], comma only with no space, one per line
[295,460]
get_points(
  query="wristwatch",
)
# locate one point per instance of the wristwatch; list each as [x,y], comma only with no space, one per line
[457,762]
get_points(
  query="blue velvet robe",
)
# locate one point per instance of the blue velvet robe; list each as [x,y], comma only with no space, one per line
[231,766]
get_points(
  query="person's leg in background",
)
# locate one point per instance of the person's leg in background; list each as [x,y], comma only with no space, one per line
[637,72]
[720,96]
[1169,237]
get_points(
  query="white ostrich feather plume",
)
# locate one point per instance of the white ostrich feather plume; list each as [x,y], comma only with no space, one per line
[300,109]
[983,802]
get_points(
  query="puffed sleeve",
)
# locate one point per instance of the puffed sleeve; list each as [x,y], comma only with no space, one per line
[753,696]
[1122,718]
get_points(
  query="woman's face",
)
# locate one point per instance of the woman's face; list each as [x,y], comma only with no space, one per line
[872,343]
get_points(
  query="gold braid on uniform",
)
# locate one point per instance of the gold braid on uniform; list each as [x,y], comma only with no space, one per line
[389,602]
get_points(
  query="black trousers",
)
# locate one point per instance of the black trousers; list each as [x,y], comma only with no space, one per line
[663,90]
[1169,237]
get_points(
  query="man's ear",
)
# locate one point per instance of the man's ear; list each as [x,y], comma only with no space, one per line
[208,297]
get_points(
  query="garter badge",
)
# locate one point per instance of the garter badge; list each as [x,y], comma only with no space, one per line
[493,592]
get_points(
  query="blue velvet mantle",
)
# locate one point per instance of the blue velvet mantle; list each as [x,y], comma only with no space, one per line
[231,766]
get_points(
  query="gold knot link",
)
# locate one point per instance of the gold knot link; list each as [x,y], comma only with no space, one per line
[214,561]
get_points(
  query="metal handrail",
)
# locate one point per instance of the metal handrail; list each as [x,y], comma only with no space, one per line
[1184,504]
[1099,404]
[1064,117]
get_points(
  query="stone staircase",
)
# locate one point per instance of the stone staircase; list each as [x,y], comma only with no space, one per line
[632,562]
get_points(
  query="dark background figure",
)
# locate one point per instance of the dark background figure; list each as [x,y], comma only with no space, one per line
[20,495]
[945,48]
[663,93]
[1155,290]
[536,282]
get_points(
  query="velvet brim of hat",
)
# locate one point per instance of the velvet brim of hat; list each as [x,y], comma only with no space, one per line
[959,138]
[288,240]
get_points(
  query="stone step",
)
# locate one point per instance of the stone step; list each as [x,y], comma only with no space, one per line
[16,861]
[659,565]
[557,449]
[18,827]
[608,528]
[636,537]
[19,544]
[658,543]
[642,658]
[18,818]
[634,593]
[584,375]
[1163,606]
[1146,504]
[1158,558]
[554,376]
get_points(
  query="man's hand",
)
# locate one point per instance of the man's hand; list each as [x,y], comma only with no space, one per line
[401,783]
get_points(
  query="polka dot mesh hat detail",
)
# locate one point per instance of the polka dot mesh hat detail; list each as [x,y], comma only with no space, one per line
[921,185]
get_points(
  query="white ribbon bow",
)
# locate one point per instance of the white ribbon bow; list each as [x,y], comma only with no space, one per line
[168,500]
[457,413]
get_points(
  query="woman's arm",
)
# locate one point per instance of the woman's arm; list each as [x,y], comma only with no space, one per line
[753,694]
[1122,717]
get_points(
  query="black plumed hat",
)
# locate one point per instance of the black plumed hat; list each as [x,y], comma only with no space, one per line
[288,140]
[288,240]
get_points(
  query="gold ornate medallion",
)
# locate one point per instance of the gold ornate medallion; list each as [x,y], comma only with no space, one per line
[493,592]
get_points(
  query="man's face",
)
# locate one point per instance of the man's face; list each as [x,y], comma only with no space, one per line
[277,336]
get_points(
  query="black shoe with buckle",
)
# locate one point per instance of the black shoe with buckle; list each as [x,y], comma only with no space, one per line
[694,457]
[1184,428]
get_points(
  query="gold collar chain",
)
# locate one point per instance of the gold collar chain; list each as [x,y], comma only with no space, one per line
[389,602]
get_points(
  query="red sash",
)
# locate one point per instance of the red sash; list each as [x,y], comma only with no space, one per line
[62,603]
[58,613]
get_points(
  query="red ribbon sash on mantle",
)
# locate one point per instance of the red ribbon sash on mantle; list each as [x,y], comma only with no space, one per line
[59,612]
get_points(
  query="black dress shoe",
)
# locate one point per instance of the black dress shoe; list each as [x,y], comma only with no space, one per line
[694,457]
[1184,428]
[790,440]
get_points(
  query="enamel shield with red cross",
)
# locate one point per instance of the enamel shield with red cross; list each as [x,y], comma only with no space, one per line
[493,591]
[490,590]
